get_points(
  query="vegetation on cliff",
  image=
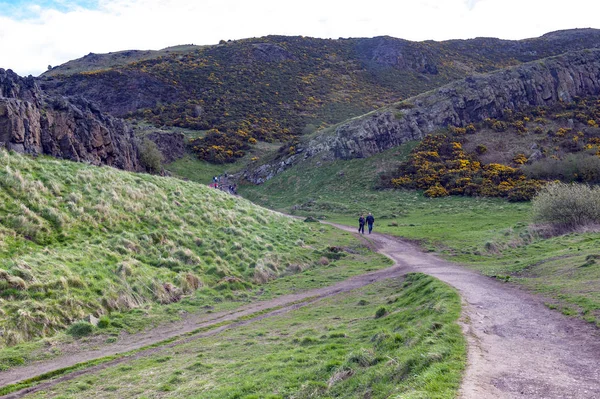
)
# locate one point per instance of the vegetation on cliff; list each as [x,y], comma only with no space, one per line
[508,157]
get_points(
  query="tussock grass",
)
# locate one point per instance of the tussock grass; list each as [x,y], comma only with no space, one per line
[416,351]
[79,240]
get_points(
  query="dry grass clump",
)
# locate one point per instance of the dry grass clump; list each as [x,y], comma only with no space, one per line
[340,375]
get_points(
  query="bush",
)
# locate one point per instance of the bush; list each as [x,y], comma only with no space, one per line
[580,167]
[104,322]
[80,329]
[150,156]
[567,205]
[436,191]
[382,311]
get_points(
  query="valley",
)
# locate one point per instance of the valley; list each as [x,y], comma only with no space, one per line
[123,275]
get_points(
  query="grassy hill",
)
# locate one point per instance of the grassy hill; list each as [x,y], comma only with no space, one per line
[278,88]
[137,250]
[78,240]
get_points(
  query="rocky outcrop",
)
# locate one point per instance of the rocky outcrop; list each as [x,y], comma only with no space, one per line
[269,52]
[71,128]
[171,144]
[116,92]
[539,83]
[401,54]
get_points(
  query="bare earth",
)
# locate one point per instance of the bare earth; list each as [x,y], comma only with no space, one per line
[517,347]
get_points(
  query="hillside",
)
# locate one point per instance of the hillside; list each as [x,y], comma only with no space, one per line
[503,93]
[278,88]
[77,240]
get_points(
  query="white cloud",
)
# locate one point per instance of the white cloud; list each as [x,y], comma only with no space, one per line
[53,37]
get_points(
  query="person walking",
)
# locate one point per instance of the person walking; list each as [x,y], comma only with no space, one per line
[361,224]
[370,221]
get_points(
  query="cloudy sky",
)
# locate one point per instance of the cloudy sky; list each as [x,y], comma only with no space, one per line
[35,34]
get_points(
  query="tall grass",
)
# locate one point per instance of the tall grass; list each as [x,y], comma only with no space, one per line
[80,240]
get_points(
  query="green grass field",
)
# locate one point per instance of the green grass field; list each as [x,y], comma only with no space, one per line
[491,235]
[398,338]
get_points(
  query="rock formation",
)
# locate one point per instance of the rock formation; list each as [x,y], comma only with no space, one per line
[471,100]
[71,128]
[170,144]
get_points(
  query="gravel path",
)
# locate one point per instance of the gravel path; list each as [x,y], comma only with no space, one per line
[517,347]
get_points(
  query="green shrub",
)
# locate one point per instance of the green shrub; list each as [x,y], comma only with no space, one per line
[104,322]
[80,329]
[567,205]
[150,156]
[382,311]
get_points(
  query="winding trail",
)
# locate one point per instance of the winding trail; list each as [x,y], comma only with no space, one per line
[517,347]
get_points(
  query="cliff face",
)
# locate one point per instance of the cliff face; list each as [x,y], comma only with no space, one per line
[473,99]
[71,128]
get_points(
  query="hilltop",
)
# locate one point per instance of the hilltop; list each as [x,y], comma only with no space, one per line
[279,88]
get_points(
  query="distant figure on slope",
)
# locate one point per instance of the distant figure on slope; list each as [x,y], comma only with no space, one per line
[361,224]
[370,221]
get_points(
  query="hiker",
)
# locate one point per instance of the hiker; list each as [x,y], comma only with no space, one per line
[370,221]
[361,224]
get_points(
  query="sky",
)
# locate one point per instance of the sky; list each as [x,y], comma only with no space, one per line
[36,34]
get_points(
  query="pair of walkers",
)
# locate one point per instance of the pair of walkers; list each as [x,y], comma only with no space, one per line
[369,220]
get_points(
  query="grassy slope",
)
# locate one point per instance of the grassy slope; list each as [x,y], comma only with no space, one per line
[77,239]
[100,62]
[491,235]
[416,350]
[191,168]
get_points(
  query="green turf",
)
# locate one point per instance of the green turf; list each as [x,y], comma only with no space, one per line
[415,349]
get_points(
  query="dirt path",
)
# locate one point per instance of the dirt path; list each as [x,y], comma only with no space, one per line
[517,347]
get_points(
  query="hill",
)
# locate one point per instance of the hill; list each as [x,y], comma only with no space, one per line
[77,240]
[278,88]
[462,104]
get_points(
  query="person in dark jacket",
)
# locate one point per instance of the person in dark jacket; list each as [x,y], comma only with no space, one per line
[361,224]
[370,221]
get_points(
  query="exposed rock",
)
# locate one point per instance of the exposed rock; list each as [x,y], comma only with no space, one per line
[117,92]
[72,128]
[270,52]
[171,145]
[93,320]
[539,83]
[397,53]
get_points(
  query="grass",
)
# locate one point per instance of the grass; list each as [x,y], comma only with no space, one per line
[79,240]
[415,350]
[191,168]
[490,235]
